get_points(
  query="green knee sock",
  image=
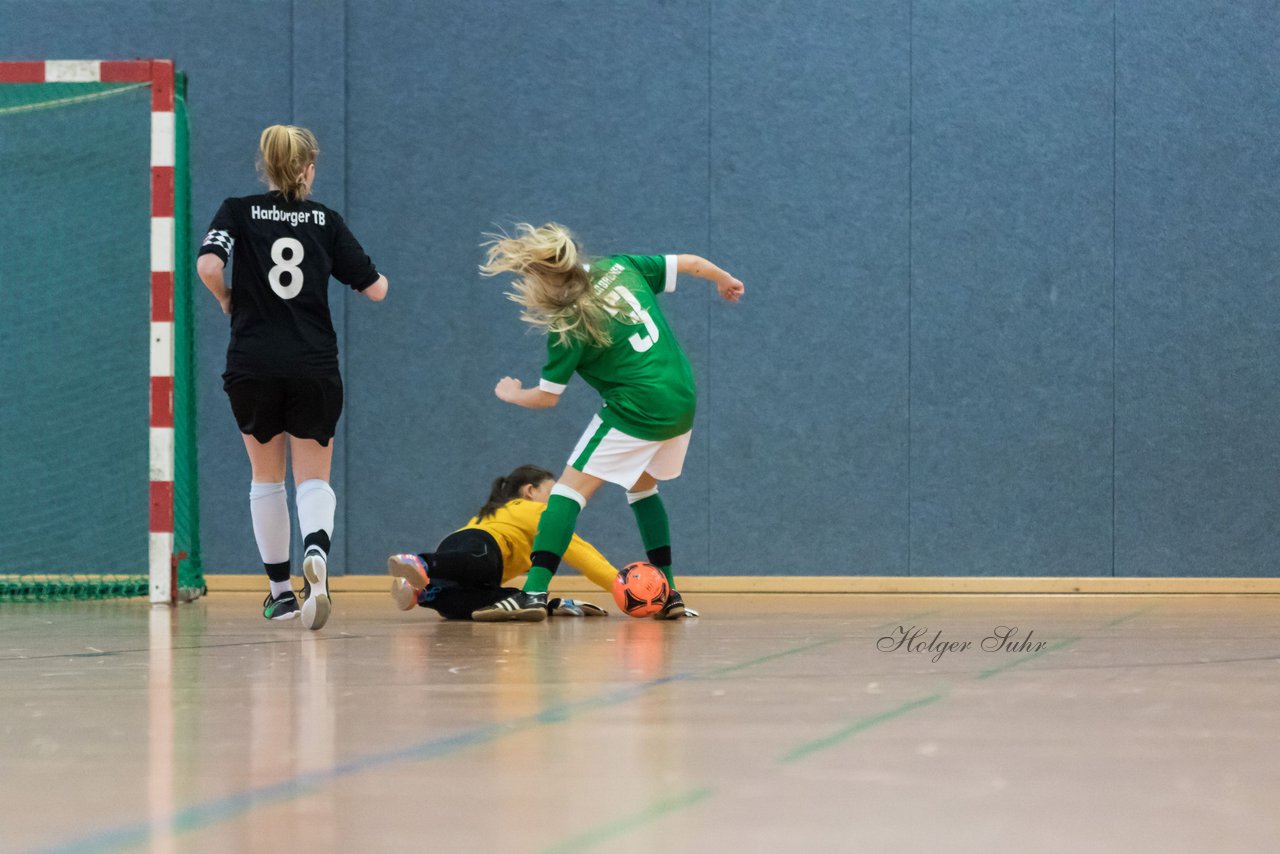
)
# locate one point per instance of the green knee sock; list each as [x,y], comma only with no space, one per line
[555,530]
[655,533]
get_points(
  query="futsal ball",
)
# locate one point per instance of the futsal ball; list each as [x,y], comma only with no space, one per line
[640,589]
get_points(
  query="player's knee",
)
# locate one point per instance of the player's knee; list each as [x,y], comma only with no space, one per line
[636,494]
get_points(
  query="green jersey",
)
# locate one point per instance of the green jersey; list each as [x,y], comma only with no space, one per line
[643,375]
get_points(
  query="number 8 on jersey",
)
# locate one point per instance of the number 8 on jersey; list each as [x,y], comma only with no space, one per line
[288,265]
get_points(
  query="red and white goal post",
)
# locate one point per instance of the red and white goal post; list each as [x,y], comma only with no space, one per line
[159,73]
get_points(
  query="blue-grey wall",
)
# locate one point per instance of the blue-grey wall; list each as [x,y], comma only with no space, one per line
[1011,266]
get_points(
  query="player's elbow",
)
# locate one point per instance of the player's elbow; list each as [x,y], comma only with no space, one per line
[691,264]
[210,266]
[378,290]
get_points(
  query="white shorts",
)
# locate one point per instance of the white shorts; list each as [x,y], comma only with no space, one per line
[612,455]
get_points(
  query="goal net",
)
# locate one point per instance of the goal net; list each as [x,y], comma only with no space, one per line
[97,426]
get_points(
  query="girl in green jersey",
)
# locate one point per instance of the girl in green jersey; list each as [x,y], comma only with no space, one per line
[602,322]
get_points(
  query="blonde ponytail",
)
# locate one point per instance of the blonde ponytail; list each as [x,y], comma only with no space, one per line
[552,285]
[284,153]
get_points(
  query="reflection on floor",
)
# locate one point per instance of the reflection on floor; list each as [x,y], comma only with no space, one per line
[774,723]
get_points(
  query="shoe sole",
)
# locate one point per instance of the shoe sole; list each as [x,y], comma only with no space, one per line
[292,615]
[585,613]
[403,594]
[527,615]
[674,614]
[410,572]
[406,595]
[316,608]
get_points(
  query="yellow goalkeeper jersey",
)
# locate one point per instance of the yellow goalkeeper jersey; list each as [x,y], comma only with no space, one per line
[514,525]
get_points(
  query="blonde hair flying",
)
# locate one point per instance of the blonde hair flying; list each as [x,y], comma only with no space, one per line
[284,153]
[551,285]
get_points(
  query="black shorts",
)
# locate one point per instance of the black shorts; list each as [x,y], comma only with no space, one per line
[475,572]
[477,560]
[305,407]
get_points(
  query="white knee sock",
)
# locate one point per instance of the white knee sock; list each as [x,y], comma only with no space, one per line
[270,510]
[316,506]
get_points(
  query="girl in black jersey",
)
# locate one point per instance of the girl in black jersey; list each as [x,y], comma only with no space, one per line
[282,362]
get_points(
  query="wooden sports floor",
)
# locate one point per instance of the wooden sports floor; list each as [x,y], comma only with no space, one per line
[776,723]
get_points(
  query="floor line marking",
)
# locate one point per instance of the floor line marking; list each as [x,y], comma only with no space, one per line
[865,723]
[1018,662]
[210,812]
[604,832]
[203,814]
[112,652]
[1126,618]
[860,725]
[1062,644]
[1157,664]
[720,671]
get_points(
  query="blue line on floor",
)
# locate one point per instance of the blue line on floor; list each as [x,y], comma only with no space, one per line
[220,809]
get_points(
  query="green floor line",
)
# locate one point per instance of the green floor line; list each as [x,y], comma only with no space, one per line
[1018,662]
[860,725]
[1126,618]
[720,671]
[629,823]
[864,724]
[1062,644]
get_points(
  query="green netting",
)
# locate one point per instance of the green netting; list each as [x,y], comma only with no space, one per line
[186,485]
[44,588]
[75,165]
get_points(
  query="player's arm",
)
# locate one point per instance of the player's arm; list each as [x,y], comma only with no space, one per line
[352,266]
[727,286]
[214,252]
[511,390]
[562,361]
[587,559]
[210,268]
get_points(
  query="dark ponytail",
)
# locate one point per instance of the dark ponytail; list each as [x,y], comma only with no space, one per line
[508,487]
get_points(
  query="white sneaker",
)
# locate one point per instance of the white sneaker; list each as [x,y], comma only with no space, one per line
[316,607]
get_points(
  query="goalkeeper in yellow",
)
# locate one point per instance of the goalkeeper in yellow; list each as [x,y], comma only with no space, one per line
[467,570]
[602,321]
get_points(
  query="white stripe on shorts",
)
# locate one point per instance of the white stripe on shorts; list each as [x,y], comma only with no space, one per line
[616,457]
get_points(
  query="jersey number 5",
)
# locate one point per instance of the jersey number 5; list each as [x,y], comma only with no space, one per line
[639,343]
[286,265]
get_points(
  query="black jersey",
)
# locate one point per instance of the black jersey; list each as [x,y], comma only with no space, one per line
[284,252]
